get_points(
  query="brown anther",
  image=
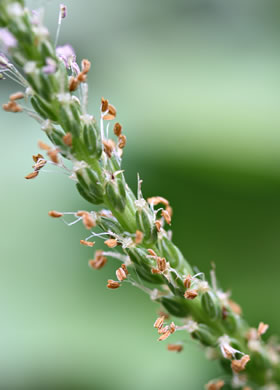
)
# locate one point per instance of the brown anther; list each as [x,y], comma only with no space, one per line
[235,307]
[174,347]
[240,365]
[99,260]
[17,96]
[88,221]
[124,268]
[117,129]
[112,112]
[73,83]
[262,328]
[121,275]
[113,284]
[55,214]
[191,294]
[138,237]
[159,322]
[152,252]
[32,175]
[67,139]
[111,243]
[165,214]
[163,314]
[104,105]
[188,281]
[80,213]
[43,146]
[12,106]
[158,225]
[155,200]
[161,263]
[82,77]
[87,243]
[169,210]
[155,271]
[164,336]
[86,66]
[38,157]
[172,327]
[163,330]
[53,155]
[217,385]
[108,148]
[122,141]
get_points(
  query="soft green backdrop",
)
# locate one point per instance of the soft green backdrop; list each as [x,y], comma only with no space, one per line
[196,84]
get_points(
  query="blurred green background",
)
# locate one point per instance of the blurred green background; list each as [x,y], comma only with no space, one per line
[196,85]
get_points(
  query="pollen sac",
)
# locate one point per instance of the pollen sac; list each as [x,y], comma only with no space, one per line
[145,223]
[89,185]
[115,192]
[92,140]
[205,335]
[210,305]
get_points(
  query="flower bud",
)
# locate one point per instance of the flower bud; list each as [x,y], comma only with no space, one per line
[115,193]
[145,223]
[205,335]
[92,140]
[172,254]
[210,305]
[143,265]
[109,224]
[89,185]
[176,306]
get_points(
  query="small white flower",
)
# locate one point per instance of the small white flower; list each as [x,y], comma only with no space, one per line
[227,350]
[30,67]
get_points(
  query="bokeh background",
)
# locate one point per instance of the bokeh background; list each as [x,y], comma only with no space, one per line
[196,84]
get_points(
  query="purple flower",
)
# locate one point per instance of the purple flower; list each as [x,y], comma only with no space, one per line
[50,67]
[67,55]
[7,38]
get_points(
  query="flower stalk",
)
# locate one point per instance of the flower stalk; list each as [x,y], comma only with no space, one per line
[56,88]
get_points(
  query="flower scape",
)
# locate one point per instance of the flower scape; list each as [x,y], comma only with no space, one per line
[54,91]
